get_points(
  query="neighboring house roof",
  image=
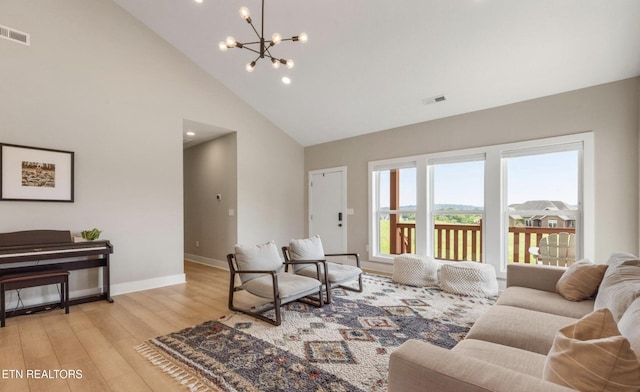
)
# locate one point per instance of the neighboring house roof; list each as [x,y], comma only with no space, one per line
[541,205]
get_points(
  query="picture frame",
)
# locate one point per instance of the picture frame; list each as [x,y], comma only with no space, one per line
[36,174]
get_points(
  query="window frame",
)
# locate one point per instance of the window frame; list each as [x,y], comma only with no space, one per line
[495,219]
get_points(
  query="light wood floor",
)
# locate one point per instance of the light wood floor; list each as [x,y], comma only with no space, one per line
[98,338]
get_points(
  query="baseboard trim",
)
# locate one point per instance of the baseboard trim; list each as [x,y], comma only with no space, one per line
[207,261]
[48,294]
[147,284]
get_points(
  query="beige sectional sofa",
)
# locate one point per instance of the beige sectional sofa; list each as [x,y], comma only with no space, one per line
[506,349]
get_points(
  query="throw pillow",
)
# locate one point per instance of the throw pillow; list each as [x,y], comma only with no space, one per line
[591,355]
[306,249]
[581,280]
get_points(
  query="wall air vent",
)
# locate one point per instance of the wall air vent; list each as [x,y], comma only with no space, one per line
[437,98]
[15,35]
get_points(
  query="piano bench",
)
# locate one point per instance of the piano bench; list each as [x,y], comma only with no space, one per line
[34,279]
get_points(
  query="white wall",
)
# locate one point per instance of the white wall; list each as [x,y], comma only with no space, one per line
[97,82]
[610,111]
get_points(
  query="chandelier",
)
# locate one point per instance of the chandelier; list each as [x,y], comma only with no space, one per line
[261,47]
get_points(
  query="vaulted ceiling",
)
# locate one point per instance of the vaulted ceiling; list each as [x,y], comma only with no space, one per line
[369,65]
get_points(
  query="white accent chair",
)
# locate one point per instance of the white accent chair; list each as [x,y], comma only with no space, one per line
[557,249]
[262,273]
[338,274]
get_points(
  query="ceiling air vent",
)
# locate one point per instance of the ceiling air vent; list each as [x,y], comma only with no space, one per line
[437,98]
[15,35]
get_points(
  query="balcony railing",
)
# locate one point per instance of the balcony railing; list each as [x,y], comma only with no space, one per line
[464,242]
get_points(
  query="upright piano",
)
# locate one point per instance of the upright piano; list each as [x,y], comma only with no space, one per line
[36,250]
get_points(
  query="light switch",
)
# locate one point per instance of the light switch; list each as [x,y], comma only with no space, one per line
[232,212]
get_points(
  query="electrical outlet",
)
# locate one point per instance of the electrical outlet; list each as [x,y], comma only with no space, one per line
[197,244]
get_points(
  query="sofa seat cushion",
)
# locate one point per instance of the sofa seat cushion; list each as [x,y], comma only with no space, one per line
[521,328]
[515,359]
[544,301]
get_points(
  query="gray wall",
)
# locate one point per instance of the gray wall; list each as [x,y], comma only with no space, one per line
[610,110]
[98,82]
[210,169]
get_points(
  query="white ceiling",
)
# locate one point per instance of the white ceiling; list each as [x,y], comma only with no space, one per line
[369,63]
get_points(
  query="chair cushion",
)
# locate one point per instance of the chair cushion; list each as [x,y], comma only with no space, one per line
[620,287]
[289,285]
[581,280]
[338,273]
[306,249]
[590,354]
[263,257]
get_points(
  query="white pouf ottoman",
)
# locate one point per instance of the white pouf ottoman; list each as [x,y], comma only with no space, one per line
[414,270]
[469,278]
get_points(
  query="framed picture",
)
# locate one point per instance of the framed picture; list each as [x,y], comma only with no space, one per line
[35,174]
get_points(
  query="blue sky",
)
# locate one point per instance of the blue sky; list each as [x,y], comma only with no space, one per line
[552,176]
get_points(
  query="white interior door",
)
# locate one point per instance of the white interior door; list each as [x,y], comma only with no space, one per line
[327,208]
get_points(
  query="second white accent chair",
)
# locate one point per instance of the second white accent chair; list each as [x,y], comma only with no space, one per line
[310,249]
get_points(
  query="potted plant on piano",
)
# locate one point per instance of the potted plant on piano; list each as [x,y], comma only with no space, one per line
[89,235]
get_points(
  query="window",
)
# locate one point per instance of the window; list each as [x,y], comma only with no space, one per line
[458,207]
[487,204]
[543,186]
[395,205]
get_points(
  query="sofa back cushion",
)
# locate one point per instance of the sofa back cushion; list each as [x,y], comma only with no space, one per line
[629,326]
[591,355]
[620,287]
[581,280]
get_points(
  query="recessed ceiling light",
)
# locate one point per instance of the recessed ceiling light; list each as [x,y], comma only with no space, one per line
[198,1]
[286,80]
[191,133]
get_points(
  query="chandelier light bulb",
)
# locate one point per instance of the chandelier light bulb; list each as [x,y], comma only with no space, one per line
[231,42]
[223,46]
[244,13]
[276,38]
[303,37]
[251,66]
[290,64]
[275,63]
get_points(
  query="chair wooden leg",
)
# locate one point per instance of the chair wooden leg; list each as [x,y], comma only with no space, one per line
[357,290]
[260,316]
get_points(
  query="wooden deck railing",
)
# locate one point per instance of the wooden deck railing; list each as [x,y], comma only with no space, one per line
[464,242]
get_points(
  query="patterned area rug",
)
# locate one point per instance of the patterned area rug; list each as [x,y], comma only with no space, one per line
[344,346]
